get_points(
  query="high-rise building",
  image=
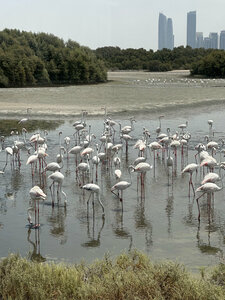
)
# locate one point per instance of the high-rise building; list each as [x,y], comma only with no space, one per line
[207,43]
[213,40]
[191,29]
[199,39]
[165,33]
[169,34]
[222,39]
[162,41]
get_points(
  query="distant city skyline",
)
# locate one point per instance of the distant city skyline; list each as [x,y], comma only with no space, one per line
[165,32]
[194,39]
[100,23]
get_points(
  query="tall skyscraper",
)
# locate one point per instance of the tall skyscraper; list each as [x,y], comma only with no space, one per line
[191,29]
[222,40]
[199,39]
[169,34]
[207,43]
[162,41]
[165,33]
[213,40]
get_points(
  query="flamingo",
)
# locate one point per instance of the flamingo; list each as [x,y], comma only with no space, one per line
[57,177]
[190,169]
[53,167]
[36,194]
[24,120]
[9,152]
[183,126]
[118,173]
[139,160]
[142,168]
[94,189]
[127,129]
[211,177]
[95,161]
[158,129]
[155,146]
[120,186]
[83,167]
[207,188]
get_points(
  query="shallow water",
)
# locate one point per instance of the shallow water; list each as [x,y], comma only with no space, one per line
[162,221]
[125,93]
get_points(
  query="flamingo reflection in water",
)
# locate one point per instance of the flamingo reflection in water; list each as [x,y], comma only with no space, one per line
[35,255]
[93,241]
[206,247]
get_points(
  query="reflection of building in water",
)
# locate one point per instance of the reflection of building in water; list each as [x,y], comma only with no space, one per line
[57,221]
[93,239]
[35,254]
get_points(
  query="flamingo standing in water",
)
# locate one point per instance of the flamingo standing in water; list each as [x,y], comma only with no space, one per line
[57,177]
[9,152]
[36,194]
[208,188]
[120,186]
[190,169]
[141,168]
[94,189]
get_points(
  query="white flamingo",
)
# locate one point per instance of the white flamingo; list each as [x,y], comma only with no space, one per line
[57,177]
[120,187]
[36,194]
[207,188]
[94,189]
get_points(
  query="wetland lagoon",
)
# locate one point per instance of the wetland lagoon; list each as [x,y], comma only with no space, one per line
[160,218]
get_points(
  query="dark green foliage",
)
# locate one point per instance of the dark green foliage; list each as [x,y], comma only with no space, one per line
[29,59]
[158,61]
[212,65]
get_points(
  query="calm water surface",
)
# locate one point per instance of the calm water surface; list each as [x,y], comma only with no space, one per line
[162,221]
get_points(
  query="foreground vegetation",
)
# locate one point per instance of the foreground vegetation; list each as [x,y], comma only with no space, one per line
[129,276]
[29,59]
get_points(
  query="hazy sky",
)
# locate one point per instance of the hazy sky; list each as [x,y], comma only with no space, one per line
[99,23]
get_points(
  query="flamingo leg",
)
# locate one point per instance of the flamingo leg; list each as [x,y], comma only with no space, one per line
[199,206]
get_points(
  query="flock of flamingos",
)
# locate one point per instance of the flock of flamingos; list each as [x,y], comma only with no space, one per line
[89,152]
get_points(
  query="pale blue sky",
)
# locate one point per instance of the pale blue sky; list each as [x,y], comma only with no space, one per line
[99,23]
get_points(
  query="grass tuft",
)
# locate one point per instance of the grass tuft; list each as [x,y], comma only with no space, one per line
[130,276]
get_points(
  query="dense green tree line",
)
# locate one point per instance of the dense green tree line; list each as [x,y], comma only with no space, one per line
[29,59]
[212,65]
[141,59]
